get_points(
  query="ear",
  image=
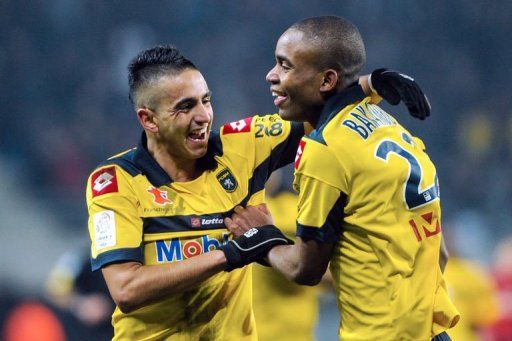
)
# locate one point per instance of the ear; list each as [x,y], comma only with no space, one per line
[329,80]
[147,119]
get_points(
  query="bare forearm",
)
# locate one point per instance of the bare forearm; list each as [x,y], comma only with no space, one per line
[136,285]
[287,260]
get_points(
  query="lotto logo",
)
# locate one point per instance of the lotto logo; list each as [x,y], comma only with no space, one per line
[104,181]
[195,222]
[241,126]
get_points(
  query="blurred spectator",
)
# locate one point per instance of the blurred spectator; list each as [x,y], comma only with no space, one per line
[33,321]
[82,296]
[502,329]
[472,292]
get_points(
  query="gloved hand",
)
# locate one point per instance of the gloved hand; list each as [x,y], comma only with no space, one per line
[394,87]
[252,246]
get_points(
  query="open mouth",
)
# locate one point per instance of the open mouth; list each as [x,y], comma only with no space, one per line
[279,97]
[198,135]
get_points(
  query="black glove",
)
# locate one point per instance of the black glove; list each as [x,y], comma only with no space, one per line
[394,86]
[252,246]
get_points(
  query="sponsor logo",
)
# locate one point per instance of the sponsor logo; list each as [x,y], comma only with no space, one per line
[433,226]
[241,126]
[227,180]
[195,222]
[104,181]
[175,250]
[300,151]
[159,197]
[199,222]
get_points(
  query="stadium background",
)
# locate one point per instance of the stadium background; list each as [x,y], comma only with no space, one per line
[63,99]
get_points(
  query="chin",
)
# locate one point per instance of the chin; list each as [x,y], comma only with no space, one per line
[285,115]
[199,153]
[289,115]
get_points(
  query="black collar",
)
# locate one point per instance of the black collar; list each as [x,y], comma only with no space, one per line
[150,168]
[157,175]
[339,101]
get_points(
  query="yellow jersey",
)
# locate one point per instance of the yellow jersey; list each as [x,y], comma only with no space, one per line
[138,213]
[283,310]
[366,185]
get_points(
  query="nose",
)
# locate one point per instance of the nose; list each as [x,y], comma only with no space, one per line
[204,114]
[272,76]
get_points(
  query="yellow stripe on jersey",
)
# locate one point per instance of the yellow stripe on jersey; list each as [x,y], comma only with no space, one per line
[368,186]
[137,213]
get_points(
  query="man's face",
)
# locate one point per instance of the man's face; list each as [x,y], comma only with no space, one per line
[295,80]
[183,114]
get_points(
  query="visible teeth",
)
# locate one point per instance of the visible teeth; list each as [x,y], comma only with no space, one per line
[198,133]
[278,94]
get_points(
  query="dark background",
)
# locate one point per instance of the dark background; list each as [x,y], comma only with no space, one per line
[64,105]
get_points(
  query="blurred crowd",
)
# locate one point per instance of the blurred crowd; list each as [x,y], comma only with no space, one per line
[65,107]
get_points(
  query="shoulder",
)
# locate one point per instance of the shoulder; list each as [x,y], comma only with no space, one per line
[317,160]
[113,175]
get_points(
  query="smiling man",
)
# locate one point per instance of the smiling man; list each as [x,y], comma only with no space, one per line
[368,193]
[156,212]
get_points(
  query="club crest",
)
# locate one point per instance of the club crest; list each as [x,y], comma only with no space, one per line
[227,180]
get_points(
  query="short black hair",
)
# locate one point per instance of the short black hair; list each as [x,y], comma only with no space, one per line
[339,44]
[153,63]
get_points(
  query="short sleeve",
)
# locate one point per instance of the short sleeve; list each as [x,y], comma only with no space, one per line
[115,227]
[319,180]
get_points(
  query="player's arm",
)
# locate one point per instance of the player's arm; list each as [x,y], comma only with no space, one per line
[133,285]
[116,230]
[304,263]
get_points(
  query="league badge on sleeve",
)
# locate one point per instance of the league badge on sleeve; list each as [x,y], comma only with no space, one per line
[104,229]
[104,181]
[242,126]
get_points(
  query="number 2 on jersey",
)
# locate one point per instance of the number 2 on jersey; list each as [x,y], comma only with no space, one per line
[413,195]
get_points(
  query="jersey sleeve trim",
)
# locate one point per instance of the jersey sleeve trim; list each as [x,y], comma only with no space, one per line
[330,231]
[124,162]
[119,255]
